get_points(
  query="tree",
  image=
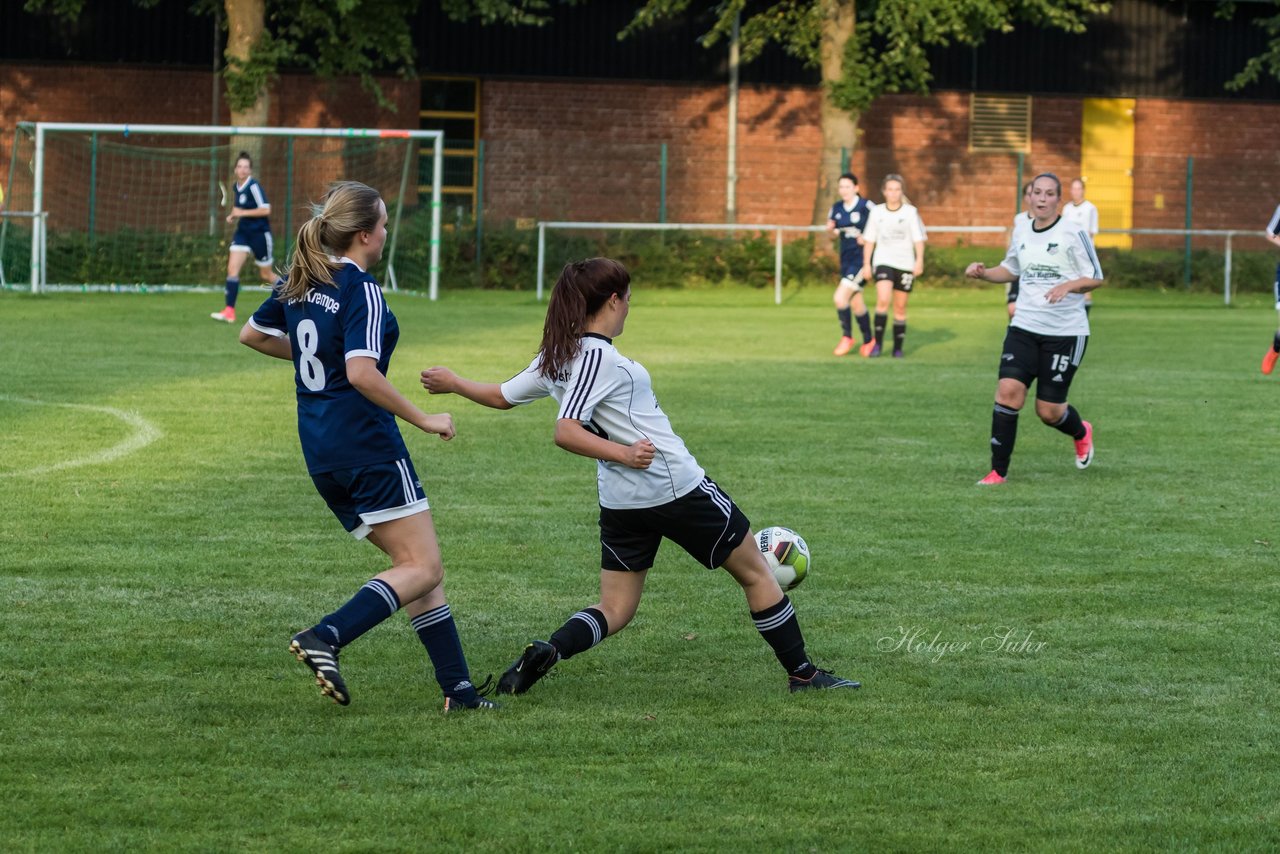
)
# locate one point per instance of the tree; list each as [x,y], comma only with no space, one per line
[1267,62]
[862,50]
[328,37]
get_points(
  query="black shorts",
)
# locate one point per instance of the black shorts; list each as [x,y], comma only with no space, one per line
[902,279]
[1011,290]
[704,522]
[1051,360]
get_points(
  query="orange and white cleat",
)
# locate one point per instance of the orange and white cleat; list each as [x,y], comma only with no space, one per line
[991,479]
[1084,447]
[1269,361]
[227,315]
[845,345]
[865,349]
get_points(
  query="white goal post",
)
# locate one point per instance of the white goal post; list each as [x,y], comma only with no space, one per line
[43,130]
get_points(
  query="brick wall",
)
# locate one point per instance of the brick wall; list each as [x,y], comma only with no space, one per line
[589,150]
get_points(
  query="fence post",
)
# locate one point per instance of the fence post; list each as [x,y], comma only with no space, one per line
[479,211]
[844,160]
[662,184]
[1226,273]
[288,196]
[1017,190]
[93,183]
[542,251]
[777,270]
[1186,261]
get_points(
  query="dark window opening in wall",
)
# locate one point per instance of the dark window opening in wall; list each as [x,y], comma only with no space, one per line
[451,105]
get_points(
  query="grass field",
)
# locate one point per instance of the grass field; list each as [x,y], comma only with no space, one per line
[147,701]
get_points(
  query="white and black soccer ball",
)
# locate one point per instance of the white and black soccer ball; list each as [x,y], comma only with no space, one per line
[787,555]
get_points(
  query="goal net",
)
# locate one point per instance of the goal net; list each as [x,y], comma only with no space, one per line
[144,207]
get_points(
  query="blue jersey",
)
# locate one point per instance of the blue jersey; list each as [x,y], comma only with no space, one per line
[339,427]
[850,223]
[251,196]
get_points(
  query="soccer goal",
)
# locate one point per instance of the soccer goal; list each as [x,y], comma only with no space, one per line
[143,207]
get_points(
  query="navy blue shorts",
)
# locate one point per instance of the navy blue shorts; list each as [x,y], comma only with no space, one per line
[851,264]
[257,243]
[704,522]
[364,496]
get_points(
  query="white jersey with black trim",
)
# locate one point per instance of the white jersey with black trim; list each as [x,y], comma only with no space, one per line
[1273,227]
[895,234]
[1083,216]
[613,397]
[1042,260]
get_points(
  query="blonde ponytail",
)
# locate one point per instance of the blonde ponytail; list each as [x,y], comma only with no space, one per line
[348,209]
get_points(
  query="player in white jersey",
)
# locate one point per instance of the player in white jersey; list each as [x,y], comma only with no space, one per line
[1273,235]
[894,248]
[1082,216]
[650,486]
[1021,220]
[1045,343]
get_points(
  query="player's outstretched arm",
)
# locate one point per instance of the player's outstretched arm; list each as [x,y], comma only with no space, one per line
[364,376]
[998,274]
[576,439]
[440,380]
[272,345]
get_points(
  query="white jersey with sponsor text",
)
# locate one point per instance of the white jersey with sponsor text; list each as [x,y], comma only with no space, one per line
[894,233]
[1042,260]
[613,397]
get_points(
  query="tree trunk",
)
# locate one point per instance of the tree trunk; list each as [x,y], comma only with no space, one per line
[839,127]
[246,22]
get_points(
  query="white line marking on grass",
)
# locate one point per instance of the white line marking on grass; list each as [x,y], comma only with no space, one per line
[144,433]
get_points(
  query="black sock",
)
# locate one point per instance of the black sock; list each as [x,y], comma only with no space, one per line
[580,632]
[899,333]
[1004,431]
[1275,345]
[1071,423]
[779,627]
[846,325]
[864,326]
[881,320]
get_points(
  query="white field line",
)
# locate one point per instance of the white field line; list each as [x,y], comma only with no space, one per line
[144,433]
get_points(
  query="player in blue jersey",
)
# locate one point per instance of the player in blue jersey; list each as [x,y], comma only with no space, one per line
[650,487]
[1273,235]
[329,318]
[847,218]
[250,211]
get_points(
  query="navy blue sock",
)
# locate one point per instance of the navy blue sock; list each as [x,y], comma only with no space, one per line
[580,632]
[1275,345]
[779,627]
[372,604]
[846,321]
[439,634]
[864,326]
[233,290]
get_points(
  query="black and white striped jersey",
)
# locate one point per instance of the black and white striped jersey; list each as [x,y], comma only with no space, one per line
[1042,260]
[613,397]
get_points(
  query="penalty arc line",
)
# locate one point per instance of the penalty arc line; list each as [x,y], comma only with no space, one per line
[144,433]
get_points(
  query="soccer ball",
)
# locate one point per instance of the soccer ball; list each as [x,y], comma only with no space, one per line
[787,555]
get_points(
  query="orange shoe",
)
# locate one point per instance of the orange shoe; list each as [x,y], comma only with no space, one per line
[865,349]
[1084,448]
[845,345]
[1269,361]
[991,479]
[227,315]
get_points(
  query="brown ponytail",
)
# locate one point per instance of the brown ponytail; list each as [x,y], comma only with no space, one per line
[582,290]
[346,210]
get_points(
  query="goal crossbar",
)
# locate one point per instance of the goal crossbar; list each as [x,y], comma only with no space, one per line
[39,231]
